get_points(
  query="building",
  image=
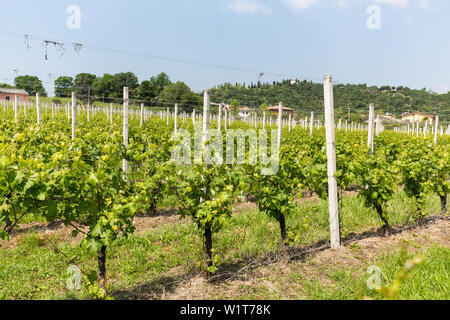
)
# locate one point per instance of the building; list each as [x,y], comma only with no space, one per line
[417,116]
[286,111]
[245,112]
[10,95]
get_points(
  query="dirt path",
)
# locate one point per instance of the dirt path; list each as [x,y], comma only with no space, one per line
[271,272]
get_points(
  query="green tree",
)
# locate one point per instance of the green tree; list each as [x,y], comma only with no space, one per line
[104,86]
[31,84]
[83,85]
[5,85]
[180,93]
[64,86]
[151,89]
[124,79]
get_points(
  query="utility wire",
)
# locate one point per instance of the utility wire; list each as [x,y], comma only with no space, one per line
[80,46]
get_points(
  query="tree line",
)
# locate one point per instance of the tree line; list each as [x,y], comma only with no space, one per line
[351,100]
[157,91]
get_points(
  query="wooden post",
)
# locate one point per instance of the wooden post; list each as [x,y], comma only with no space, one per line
[125,127]
[280,119]
[74,115]
[436,129]
[331,157]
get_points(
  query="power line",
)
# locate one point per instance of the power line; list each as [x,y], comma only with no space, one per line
[79,46]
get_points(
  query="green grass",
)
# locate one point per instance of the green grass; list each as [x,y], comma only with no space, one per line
[34,269]
[429,281]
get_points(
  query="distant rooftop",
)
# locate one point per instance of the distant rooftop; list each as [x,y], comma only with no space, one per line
[13,91]
[417,112]
[275,108]
[246,109]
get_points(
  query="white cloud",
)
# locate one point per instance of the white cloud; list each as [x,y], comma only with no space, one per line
[342,4]
[300,4]
[423,4]
[256,6]
[426,4]
[395,3]
[249,6]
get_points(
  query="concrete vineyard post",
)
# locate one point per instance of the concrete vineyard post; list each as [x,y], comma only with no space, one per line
[142,115]
[331,158]
[290,122]
[280,119]
[378,125]
[74,115]
[311,127]
[219,124]
[436,129]
[38,109]
[125,127]
[176,118]
[371,124]
[16,112]
[206,106]
[264,120]
[225,122]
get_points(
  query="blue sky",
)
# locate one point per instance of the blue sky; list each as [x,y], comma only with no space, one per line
[305,39]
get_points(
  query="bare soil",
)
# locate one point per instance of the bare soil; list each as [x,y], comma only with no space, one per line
[275,271]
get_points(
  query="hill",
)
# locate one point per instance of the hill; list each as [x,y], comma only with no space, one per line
[307,96]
